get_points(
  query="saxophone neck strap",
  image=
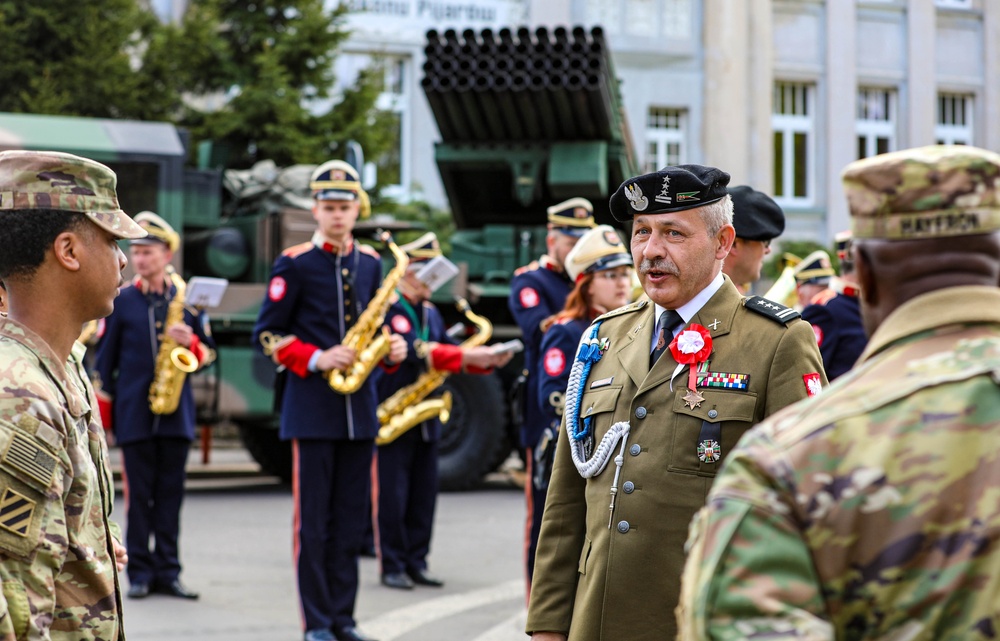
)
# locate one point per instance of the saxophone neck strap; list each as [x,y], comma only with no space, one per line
[419,320]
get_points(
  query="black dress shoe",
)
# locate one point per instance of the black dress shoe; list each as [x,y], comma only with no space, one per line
[397,580]
[177,589]
[138,590]
[350,633]
[420,577]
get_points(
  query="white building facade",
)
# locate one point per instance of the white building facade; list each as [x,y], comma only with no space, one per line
[782,94]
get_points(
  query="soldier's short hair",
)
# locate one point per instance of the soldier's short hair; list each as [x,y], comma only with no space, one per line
[28,234]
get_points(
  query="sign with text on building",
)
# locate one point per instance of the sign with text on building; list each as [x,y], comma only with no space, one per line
[414,17]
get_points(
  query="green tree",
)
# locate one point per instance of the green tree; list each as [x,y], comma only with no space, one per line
[271,60]
[81,58]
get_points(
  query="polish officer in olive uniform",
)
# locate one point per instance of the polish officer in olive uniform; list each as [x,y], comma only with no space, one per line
[660,392]
[537,291]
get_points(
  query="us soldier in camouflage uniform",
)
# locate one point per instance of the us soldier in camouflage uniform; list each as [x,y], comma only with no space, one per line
[60,262]
[871,511]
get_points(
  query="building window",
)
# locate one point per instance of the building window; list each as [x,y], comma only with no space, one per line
[954,4]
[393,173]
[954,119]
[792,120]
[876,122]
[665,133]
[642,18]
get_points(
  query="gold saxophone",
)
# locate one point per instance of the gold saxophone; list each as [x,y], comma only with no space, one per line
[364,337]
[409,406]
[173,362]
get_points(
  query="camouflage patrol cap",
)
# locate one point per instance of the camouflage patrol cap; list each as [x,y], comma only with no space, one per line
[926,192]
[64,182]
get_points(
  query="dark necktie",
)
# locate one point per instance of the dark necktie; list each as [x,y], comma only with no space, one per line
[669,319]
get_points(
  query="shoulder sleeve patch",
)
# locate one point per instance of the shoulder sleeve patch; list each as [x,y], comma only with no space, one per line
[775,311]
[297,250]
[631,307]
[367,249]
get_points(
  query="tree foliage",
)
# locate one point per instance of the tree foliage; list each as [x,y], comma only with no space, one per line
[241,74]
[272,59]
[79,58]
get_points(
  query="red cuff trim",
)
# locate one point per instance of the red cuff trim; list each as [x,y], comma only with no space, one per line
[295,356]
[197,349]
[389,369]
[447,358]
[104,404]
[478,370]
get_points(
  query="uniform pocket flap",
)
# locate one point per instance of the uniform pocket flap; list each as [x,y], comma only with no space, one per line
[720,406]
[600,400]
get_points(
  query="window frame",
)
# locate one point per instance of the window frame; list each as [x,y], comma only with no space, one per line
[950,133]
[662,137]
[790,124]
[873,128]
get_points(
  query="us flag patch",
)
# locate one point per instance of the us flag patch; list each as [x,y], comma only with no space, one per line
[28,457]
[16,512]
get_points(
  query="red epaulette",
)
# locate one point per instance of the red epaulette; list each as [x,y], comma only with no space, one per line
[530,267]
[564,321]
[367,249]
[297,250]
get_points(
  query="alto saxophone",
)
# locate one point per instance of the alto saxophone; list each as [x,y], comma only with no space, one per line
[174,361]
[370,345]
[409,406]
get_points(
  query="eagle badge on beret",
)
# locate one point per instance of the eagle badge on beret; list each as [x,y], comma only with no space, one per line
[634,194]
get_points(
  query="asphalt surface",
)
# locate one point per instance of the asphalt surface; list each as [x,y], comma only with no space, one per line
[236,551]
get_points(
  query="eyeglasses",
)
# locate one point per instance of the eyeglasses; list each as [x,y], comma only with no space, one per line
[609,274]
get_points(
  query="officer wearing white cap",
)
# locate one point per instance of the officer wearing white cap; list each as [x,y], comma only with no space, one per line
[537,291]
[154,446]
[812,278]
[660,391]
[316,293]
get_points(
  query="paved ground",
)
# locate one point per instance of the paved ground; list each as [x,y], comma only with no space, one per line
[236,550]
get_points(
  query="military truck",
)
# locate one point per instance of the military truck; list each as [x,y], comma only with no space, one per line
[520,142]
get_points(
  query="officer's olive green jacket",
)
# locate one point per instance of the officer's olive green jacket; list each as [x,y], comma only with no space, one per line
[622,583]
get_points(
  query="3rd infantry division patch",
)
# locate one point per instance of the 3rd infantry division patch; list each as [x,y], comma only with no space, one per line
[16,512]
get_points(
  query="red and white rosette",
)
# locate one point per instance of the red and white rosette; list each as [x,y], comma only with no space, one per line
[691,347]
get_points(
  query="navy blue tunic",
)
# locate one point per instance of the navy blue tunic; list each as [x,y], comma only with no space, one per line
[839,332]
[316,296]
[535,294]
[125,362]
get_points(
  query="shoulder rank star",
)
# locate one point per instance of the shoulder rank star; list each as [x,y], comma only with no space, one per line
[693,398]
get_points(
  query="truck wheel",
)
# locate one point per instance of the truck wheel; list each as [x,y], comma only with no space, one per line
[272,454]
[474,442]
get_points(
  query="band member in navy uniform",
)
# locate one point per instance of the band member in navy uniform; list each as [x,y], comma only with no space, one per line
[154,446]
[316,293]
[836,320]
[813,276]
[406,492]
[537,291]
[601,267]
